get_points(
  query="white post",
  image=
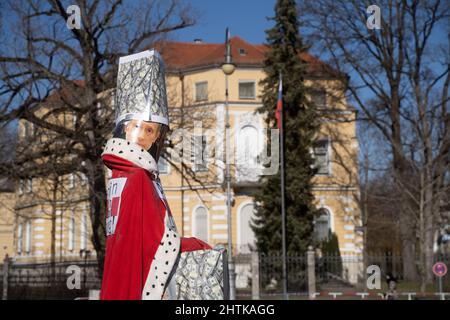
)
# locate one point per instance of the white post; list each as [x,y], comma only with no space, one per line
[310,260]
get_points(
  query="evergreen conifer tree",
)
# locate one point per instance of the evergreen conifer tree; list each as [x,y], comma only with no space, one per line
[300,127]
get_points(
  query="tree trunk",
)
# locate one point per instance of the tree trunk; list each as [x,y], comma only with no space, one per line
[409,266]
[429,232]
[97,198]
[53,244]
[53,231]
[408,231]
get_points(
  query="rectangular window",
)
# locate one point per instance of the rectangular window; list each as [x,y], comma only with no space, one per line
[83,179]
[319,98]
[28,237]
[321,157]
[19,238]
[247,90]
[28,129]
[83,232]
[163,166]
[71,244]
[101,110]
[21,186]
[201,91]
[71,181]
[321,229]
[198,147]
[29,185]
[74,120]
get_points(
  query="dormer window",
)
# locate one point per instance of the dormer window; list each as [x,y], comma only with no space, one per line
[242,52]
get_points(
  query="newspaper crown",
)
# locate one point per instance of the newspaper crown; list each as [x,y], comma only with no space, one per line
[141,88]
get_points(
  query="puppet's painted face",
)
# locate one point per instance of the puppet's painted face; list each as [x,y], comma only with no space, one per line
[142,133]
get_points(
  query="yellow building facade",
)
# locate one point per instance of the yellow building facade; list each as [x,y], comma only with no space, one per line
[202,212]
[196,88]
[7,203]
[51,214]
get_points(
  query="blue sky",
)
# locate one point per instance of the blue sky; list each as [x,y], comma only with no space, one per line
[245,18]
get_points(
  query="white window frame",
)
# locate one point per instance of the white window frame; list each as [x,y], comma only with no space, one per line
[242,52]
[167,166]
[71,238]
[196,97]
[242,152]
[83,231]
[29,185]
[203,166]
[71,181]
[21,186]
[330,219]
[83,179]
[28,237]
[240,227]
[28,129]
[74,120]
[327,154]
[19,238]
[254,89]
[194,225]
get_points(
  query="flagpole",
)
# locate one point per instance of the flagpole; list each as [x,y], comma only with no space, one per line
[283,204]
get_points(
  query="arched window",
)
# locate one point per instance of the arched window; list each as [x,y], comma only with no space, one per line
[246,234]
[322,225]
[247,147]
[200,227]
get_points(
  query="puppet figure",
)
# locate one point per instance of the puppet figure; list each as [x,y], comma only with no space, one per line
[143,247]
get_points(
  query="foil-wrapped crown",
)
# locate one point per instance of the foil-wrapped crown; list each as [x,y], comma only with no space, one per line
[141,88]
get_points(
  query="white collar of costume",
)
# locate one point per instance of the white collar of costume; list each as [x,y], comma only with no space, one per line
[132,152]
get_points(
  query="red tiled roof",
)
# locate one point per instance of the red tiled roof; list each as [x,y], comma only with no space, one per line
[182,56]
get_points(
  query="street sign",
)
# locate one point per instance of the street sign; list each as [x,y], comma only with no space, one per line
[440,269]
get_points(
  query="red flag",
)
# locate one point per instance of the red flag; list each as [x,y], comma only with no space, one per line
[279,104]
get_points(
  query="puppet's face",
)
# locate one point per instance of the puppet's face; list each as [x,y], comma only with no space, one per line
[142,133]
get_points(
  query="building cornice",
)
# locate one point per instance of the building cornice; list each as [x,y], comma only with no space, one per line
[218,67]
[22,206]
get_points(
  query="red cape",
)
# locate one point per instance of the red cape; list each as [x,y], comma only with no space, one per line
[142,243]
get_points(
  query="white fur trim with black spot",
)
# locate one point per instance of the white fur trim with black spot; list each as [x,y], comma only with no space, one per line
[131,152]
[163,263]
[169,248]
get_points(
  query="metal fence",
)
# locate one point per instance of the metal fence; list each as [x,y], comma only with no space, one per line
[260,275]
[271,273]
[345,275]
[257,276]
[47,281]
